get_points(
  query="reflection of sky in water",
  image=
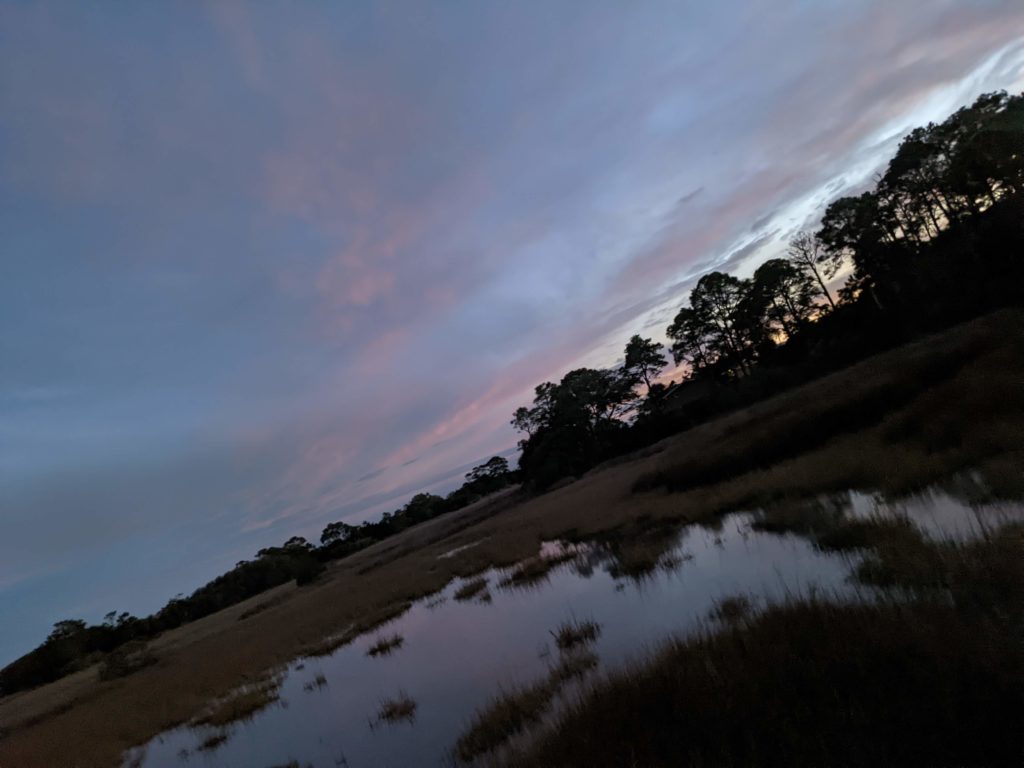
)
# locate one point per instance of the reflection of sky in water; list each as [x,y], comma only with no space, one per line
[458,654]
[939,514]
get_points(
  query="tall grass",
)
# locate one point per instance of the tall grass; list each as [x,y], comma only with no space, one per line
[799,430]
[397,709]
[533,571]
[373,620]
[896,423]
[243,704]
[385,646]
[931,674]
[514,710]
[574,633]
[476,587]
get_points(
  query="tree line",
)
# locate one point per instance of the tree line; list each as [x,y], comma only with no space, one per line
[936,240]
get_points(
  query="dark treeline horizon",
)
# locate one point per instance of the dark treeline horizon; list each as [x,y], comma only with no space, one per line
[938,240]
[74,644]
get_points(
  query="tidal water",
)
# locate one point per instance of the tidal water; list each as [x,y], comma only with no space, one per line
[457,655]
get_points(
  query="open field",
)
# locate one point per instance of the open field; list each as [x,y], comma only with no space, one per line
[896,422]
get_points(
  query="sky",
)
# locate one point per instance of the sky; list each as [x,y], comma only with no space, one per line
[268,265]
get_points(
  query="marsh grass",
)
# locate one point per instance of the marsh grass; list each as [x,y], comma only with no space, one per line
[930,672]
[827,523]
[126,660]
[574,633]
[639,558]
[262,606]
[800,430]
[980,577]
[244,704]
[507,714]
[800,516]
[472,589]
[385,646]
[401,708]
[572,666]
[436,602]
[316,684]
[865,534]
[367,624]
[533,571]
[896,423]
[673,561]
[213,741]
[732,610]
[637,548]
[515,710]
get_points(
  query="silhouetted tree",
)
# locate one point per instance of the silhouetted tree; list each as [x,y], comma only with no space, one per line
[422,506]
[571,423]
[714,334]
[810,258]
[495,468]
[780,300]
[337,533]
[643,361]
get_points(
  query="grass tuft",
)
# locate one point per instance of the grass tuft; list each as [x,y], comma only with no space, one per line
[732,610]
[572,666]
[365,625]
[512,711]
[864,534]
[244,704]
[574,633]
[471,589]
[395,710]
[533,571]
[213,741]
[385,646]
[317,683]
[507,714]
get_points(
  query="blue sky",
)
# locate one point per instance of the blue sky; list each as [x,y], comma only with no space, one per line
[268,265]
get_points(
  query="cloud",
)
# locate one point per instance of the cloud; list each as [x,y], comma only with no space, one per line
[373,474]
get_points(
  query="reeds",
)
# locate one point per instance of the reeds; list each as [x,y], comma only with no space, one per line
[385,646]
[398,709]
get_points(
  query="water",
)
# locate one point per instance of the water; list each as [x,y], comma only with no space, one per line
[938,514]
[457,655]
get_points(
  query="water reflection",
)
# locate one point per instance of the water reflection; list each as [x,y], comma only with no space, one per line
[457,653]
[938,513]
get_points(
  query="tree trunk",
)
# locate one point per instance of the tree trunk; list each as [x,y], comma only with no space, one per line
[824,289]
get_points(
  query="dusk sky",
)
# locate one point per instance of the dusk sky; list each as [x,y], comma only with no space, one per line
[270,265]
